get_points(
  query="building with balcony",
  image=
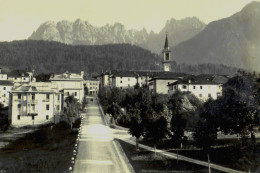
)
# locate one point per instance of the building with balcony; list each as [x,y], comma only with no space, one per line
[34,104]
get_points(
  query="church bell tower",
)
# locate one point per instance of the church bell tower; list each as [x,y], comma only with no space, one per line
[166,56]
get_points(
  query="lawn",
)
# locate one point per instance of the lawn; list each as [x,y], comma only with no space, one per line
[146,161]
[48,149]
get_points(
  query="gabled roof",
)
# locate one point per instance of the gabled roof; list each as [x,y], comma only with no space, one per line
[6,83]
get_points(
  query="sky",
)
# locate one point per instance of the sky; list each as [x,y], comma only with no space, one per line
[19,18]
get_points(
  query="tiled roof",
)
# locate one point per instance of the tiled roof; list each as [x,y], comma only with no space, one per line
[36,87]
[6,83]
[205,79]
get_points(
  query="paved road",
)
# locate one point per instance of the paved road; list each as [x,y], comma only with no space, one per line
[97,150]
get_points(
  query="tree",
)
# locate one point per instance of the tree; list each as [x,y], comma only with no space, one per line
[182,105]
[84,102]
[71,110]
[240,105]
[136,128]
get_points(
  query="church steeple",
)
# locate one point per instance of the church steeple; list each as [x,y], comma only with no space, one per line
[166,44]
[166,55]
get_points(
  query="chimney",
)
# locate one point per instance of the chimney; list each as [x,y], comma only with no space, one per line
[82,74]
[189,81]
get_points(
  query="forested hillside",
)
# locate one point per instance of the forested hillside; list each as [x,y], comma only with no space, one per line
[54,57]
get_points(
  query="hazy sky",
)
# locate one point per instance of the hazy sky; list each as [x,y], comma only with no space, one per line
[19,18]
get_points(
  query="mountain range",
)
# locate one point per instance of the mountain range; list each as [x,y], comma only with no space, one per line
[233,41]
[83,33]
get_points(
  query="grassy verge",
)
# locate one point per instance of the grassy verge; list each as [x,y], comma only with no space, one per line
[146,161]
[48,149]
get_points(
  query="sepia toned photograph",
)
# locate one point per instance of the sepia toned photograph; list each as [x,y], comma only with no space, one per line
[130,86]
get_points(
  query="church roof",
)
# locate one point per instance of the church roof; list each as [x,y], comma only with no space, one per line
[166,44]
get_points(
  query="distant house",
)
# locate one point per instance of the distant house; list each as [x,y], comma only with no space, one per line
[92,85]
[202,86]
[21,76]
[34,104]
[5,88]
[70,84]
[3,75]
[159,83]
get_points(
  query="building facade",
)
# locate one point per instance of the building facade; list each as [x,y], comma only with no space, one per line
[92,86]
[70,84]
[34,104]
[5,88]
[202,86]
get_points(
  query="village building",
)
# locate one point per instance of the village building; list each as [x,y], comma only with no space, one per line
[202,86]
[92,86]
[34,104]
[5,88]
[21,76]
[3,75]
[159,83]
[70,84]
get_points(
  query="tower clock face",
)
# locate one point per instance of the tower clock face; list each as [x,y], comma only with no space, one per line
[167,57]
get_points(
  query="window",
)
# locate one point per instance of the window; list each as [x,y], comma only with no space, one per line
[19,106]
[175,87]
[33,96]
[47,107]
[200,95]
[209,95]
[32,117]
[58,97]
[201,87]
[19,96]
[24,78]
[184,86]
[4,88]
[47,117]
[167,56]
[121,82]
[75,93]
[18,117]
[4,95]
[68,93]
[194,87]
[57,107]
[47,96]
[33,106]
[128,79]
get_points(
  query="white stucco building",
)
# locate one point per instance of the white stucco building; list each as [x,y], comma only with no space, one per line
[202,86]
[34,104]
[92,86]
[5,88]
[70,84]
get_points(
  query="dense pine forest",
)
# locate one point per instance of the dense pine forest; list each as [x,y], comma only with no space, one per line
[53,57]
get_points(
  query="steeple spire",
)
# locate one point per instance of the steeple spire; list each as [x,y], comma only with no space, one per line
[166,44]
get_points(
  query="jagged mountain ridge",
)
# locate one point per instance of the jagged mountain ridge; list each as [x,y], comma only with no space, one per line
[83,33]
[233,41]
